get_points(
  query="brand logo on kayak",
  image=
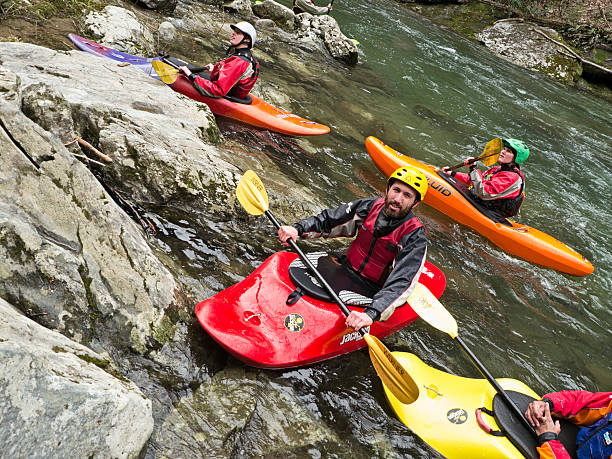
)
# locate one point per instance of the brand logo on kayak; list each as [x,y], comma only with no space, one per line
[521,230]
[294,322]
[287,115]
[457,415]
[355,336]
[438,187]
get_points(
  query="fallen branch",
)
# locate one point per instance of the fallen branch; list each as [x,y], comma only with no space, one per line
[572,53]
[89,159]
[93,149]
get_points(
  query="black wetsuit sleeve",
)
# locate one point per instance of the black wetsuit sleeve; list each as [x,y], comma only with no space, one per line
[343,221]
[399,285]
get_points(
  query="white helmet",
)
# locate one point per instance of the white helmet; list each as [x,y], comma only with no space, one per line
[246,29]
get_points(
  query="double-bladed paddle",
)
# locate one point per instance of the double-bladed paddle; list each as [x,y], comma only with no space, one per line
[489,156]
[429,308]
[251,193]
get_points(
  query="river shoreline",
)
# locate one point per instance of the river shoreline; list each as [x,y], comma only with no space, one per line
[469,18]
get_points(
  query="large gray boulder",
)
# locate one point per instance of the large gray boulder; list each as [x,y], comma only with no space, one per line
[326,29]
[56,399]
[280,14]
[519,43]
[120,29]
[69,253]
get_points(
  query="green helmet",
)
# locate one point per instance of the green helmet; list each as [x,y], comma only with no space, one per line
[521,152]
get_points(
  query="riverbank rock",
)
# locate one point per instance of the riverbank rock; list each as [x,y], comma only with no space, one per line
[119,28]
[60,391]
[252,417]
[521,44]
[167,6]
[323,29]
[326,28]
[240,7]
[70,255]
[280,14]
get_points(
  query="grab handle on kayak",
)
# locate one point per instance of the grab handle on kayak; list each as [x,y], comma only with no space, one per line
[482,424]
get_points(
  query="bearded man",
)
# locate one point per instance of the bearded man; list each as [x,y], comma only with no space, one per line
[390,248]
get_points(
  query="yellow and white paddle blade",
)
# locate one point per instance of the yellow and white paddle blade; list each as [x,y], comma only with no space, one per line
[429,308]
[494,148]
[393,375]
[166,73]
[251,193]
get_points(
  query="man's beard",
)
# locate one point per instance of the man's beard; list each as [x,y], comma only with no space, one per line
[401,213]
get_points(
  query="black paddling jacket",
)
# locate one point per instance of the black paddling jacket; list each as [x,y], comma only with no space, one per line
[411,249]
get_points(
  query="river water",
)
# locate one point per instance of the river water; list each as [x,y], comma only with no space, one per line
[440,97]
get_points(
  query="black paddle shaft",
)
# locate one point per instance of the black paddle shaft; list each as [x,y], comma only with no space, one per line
[513,408]
[313,270]
[471,162]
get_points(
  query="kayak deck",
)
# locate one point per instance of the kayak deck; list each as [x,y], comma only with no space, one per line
[515,238]
[444,413]
[253,321]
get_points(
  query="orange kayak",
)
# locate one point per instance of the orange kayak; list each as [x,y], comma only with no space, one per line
[445,194]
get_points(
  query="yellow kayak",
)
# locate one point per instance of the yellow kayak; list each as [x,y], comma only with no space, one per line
[444,414]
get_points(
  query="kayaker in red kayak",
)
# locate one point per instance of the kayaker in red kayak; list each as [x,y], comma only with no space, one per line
[235,75]
[590,409]
[307,6]
[501,189]
[390,248]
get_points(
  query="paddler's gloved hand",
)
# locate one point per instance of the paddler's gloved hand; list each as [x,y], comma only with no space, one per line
[287,232]
[445,169]
[209,67]
[356,320]
[468,162]
[185,71]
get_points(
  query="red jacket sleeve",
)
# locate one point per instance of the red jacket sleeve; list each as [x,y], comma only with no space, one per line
[553,450]
[224,76]
[463,178]
[580,406]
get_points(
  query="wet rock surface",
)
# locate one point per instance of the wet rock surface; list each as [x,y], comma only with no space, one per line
[63,392]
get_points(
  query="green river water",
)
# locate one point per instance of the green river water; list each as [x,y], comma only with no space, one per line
[439,98]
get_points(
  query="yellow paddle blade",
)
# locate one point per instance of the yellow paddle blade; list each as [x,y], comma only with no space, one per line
[427,306]
[494,148]
[166,73]
[391,372]
[251,193]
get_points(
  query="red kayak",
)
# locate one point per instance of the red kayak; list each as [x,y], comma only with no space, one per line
[268,322]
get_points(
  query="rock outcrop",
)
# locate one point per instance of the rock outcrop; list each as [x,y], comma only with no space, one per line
[57,400]
[120,29]
[519,43]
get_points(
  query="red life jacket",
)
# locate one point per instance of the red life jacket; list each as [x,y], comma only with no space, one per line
[372,257]
[506,207]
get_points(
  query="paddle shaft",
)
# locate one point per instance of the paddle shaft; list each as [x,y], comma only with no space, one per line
[513,408]
[172,64]
[472,161]
[313,270]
